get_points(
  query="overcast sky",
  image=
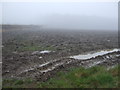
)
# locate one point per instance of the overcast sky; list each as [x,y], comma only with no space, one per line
[77,15]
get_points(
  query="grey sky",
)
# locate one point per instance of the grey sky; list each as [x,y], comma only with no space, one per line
[91,15]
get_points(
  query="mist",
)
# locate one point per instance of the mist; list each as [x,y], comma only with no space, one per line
[87,16]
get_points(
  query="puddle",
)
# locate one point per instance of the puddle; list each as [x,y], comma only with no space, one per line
[93,55]
[35,52]
[42,52]
[40,57]
[47,70]
[41,65]
[45,51]
[94,64]
[81,57]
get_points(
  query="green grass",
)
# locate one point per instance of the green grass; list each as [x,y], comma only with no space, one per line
[95,77]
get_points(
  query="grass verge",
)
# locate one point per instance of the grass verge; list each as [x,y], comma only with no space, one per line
[94,77]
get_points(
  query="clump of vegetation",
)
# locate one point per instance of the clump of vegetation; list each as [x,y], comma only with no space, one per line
[95,77]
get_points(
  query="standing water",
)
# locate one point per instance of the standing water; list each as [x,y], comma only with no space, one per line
[93,55]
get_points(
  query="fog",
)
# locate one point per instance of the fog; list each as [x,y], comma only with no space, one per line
[87,15]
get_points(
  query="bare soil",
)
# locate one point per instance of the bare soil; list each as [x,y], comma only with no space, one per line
[20,42]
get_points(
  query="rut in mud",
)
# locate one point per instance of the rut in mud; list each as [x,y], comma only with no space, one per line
[46,70]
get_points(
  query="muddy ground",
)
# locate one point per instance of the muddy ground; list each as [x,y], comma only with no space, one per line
[21,45]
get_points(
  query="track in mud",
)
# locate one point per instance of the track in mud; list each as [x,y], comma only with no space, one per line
[20,41]
[46,70]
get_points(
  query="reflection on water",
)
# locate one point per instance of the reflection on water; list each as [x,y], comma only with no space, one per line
[93,55]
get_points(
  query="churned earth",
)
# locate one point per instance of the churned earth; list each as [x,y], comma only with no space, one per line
[39,53]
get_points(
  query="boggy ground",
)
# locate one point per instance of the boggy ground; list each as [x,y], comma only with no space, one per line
[20,42]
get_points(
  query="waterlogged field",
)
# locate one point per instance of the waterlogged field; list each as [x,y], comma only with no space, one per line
[37,57]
